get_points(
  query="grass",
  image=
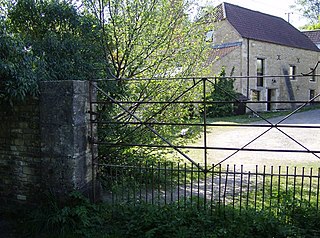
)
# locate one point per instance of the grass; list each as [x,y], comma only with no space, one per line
[248,118]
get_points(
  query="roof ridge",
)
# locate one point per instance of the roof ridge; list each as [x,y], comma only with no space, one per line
[248,9]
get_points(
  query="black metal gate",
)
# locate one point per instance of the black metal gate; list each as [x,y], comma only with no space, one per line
[154,138]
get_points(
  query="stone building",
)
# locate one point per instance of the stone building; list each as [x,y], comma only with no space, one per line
[259,48]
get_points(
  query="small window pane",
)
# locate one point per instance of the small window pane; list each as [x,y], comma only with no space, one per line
[313,75]
[312,94]
[260,72]
[255,95]
[292,72]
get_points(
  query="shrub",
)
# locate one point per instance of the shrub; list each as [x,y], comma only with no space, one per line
[77,217]
[223,92]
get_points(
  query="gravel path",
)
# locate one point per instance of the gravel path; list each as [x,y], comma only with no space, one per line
[301,139]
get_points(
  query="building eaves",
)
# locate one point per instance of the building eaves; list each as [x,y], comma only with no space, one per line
[226,45]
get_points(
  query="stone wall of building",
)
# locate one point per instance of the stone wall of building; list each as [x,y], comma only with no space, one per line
[277,61]
[224,32]
[44,143]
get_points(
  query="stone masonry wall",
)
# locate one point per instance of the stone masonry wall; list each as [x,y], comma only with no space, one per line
[19,150]
[277,60]
[44,143]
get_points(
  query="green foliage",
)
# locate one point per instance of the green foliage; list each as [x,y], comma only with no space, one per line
[313,26]
[170,221]
[17,68]
[222,97]
[73,217]
[309,8]
[66,42]
[150,38]
[46,40]
[121,120]
[78,218]
[112,38]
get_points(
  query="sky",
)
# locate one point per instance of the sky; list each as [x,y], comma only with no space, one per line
[279,8]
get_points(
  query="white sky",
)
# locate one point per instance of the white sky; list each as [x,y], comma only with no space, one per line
[279,8]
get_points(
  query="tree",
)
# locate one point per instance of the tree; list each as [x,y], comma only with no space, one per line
[149,38]
[223,92]
[62,40]
[310,9]
[314,26]
[17,74]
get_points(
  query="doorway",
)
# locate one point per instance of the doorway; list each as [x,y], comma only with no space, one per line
[271,96]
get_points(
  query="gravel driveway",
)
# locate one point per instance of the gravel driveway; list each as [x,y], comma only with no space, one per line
[301,139]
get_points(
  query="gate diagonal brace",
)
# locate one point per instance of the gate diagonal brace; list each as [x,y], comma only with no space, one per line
[163,108]
[151,129]
[271,126]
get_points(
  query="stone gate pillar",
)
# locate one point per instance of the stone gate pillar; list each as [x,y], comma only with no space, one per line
[64,132]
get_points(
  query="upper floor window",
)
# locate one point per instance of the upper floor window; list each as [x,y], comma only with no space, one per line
[260,72]
[292,72]
[313,75]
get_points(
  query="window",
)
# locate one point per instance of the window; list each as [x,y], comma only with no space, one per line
[255,95]
[292,72]
[260,72]
[313,75]
[312,94]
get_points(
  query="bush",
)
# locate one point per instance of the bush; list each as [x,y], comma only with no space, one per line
[73,217]
[223,92]
[17,75]
[77,217]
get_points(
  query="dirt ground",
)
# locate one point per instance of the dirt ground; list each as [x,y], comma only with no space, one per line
[298,139]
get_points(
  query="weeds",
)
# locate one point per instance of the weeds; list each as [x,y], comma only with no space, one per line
[77,217]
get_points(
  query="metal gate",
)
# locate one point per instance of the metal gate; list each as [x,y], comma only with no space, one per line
[158,142]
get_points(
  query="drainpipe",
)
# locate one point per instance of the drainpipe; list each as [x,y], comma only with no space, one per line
[248,66]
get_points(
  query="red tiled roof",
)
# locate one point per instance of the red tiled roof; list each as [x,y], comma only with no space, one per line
[263,27]
[218,53]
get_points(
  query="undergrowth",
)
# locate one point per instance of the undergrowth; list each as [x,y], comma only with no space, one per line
[77,217]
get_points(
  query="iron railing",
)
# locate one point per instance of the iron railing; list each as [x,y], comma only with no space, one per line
[268,188]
